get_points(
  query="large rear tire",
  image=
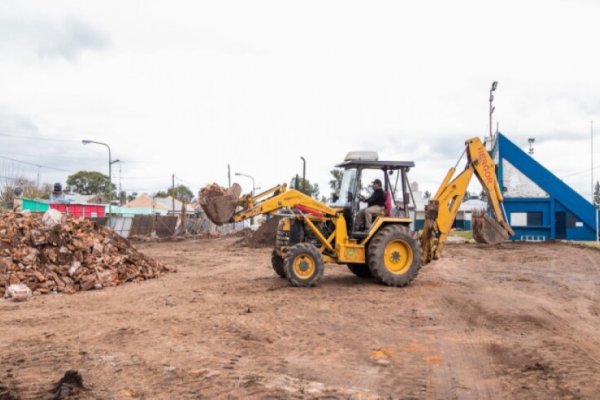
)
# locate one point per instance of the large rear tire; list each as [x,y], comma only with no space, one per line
[303,265]
[277,263]
[394,256]
[360,270]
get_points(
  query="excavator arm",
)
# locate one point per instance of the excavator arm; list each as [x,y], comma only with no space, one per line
[280,198]
[441,211]
[486,229]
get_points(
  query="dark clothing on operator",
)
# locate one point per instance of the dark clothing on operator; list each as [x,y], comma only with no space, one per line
[377,198]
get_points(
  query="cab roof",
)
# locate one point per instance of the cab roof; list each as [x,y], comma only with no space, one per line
[375,164]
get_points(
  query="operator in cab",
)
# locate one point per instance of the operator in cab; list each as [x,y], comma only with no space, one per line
[375,204]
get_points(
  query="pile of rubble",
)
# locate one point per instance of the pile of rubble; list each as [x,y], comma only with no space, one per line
[263,237]
[67,256]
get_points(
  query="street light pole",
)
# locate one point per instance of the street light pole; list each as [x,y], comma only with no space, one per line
[110,163]
[248,176]
[303,174]
[492,108]
[596,206]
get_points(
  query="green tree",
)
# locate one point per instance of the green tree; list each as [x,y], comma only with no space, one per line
[180,192]
[312,189]
[597,194]
[90,183]
[336,180]
[132,196]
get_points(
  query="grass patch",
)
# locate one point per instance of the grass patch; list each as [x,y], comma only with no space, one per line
[467,235]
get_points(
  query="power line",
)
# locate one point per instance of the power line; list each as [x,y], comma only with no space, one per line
[579,172]
[144,178]
[186,182]
[35,165]
[38,138]
[11,178]
[47,156]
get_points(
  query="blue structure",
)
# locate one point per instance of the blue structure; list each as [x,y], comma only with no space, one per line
[540,206]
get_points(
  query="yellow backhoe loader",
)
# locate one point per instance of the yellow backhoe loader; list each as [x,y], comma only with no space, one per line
[312,233]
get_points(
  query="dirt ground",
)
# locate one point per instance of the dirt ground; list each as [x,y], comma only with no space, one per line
[512,321]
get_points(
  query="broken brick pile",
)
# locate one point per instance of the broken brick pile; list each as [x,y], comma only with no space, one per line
[71,256]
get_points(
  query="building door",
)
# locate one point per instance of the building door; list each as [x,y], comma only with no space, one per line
[560,219]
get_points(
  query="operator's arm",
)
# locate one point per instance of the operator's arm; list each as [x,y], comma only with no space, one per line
[377,198]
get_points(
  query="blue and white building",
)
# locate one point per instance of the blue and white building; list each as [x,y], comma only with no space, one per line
[539,206]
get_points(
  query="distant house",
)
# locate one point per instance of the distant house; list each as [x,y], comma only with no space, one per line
[144,200]
[464,217]
[75,209]
[145,204]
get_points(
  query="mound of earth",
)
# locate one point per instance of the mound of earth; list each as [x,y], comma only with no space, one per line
[69,256]
[263,236]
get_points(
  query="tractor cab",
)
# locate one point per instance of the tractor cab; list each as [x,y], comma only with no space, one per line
[360,169]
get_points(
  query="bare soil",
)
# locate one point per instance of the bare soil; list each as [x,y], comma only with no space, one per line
[264,236]
[510,321]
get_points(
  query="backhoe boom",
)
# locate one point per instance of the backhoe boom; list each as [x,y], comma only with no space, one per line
[443,208]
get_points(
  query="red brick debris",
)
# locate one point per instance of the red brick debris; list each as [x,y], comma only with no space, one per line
[73,255]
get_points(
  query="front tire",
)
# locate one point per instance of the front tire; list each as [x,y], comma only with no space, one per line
[277,264]
[394,256]
[303,265]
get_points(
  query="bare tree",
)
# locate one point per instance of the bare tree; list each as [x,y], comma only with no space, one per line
[12,178]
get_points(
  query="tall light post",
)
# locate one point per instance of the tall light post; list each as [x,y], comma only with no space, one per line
[248,176]
[596,206]
[303,174]
[110,163]
[492,108]
[592,154]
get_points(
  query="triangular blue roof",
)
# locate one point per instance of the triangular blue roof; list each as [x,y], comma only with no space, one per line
[546,180]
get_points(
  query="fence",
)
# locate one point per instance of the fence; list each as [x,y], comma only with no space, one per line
[166,226]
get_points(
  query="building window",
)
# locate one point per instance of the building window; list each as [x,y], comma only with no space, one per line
[518,219]
[534,218]
[526,218]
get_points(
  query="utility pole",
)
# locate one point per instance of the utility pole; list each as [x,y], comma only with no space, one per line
[592,152]
[596,206]
[120,187]
[228,175]
[173,193]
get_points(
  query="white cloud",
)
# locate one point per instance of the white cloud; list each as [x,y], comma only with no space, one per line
[47,39]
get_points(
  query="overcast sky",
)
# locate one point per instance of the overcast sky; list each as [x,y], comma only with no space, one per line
[188,87]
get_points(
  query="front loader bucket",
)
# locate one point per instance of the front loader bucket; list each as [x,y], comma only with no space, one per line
[487,230]
[219,203]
